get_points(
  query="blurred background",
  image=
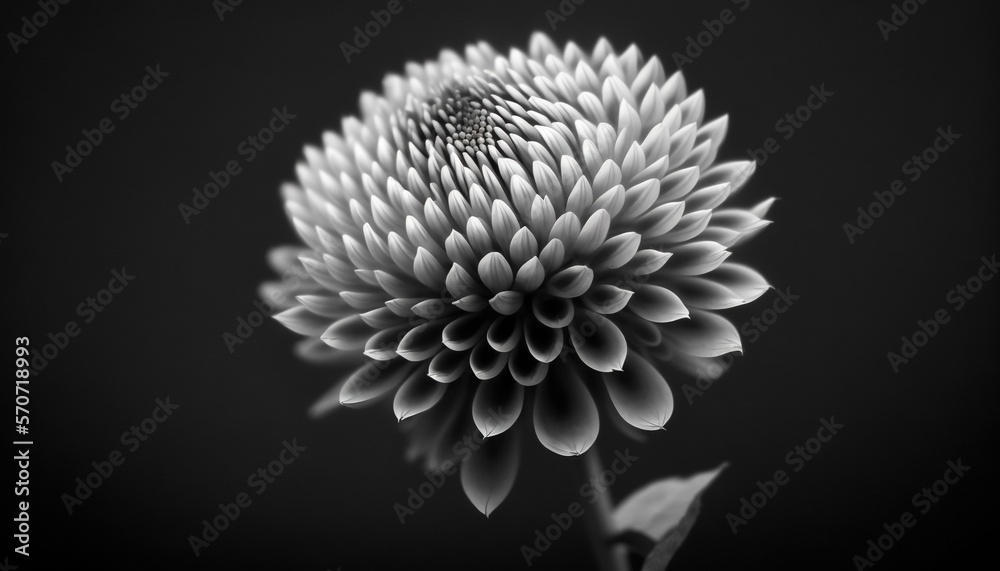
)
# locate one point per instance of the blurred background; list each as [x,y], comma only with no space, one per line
[227,67]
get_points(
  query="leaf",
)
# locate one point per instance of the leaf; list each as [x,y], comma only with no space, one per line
[655,520]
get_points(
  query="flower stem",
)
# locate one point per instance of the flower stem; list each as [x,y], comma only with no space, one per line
[598,518]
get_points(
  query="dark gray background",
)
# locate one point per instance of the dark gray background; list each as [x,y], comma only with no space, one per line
[333,507]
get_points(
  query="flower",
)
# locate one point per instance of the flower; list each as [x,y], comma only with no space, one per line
[547,222]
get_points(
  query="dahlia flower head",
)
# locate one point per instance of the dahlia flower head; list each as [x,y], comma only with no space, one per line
[541,234]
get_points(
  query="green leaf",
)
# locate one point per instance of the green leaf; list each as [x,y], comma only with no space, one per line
[655,520]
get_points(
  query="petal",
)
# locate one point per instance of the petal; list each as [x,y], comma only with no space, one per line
[571,282]
[742,280]
[374,379]
[422,342]
[616,251]
[706,334]
[348,334]
[525,368]
[593,233]
[505,333]
[485,361]
[462,333]
[598,342]
[418,394]
[507,302]
[705,293]
[488,474]
[606,299]
[657,304]
[302,321]
[543,342]
[497,405]
[697,258]
[640,394]
[565,416]
[495,272]
[530,276]
[553,255]
[460,283]
[428,270]
[523,247]
[448,365]
[553,312]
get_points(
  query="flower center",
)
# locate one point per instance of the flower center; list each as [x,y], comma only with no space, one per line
[461,120]
[469,125]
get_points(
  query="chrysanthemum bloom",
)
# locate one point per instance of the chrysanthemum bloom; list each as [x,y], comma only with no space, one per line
[541,228]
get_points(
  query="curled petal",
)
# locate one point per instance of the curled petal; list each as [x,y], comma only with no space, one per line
[448,366]
[617,251]
[417,395]
[497,405]
[422,342]
[697,258]
[706,334]
[382,345]
[598,342]
[705,293]
[488,474]
[374,379]
[485,361]
[657,304]
[302,321]
[572,282]
[553,312]
[348,334]
[543,342]
[606,299]
[742,280]
[640,394]
[565,416]
[525,368]
[505,333]
[507,302]
[333,307]
[462,333]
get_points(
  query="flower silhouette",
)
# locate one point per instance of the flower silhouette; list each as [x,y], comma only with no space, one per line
[541,229]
